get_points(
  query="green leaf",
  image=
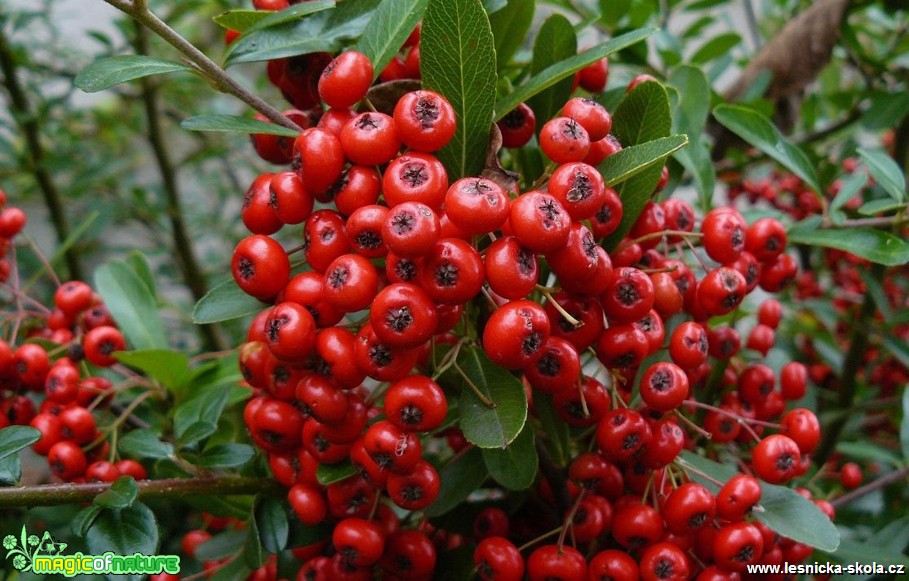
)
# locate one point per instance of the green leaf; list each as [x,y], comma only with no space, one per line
[228,455]
[457,59]
[139,263]
[558,436]
[235,124]
[10,470]
[885,172]
[459,478]
[121,494]
[566,68]
[84,519]
[848,188]
[132,305]
[74,236]
[642,116]
[253,552]
[510,26]
[555,42]
[491,6]
[199,414]
[222,545]
[484,426]
[331,473]
[611,11]
[690,118]
[107,72]
[124,532]
[240,20]
[785,511]
[717,46]
[867,451]
[292,14]
[16,438]
[760,132]
[326,30]
[515,466]
[272,524]
[171,368]
[885,206]
[389,27]
[874,245]
[850,552]
[144,443]
[224,302]
[631,161]
[904,426]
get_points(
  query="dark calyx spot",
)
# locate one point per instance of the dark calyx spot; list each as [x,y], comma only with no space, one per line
[273,328]
[532,343]
[414,174]
[367,121]
[380,355]
[738,237]
[446,274]
[604,214]
[580,187]
[631,442]
[549,210]
[549,365]
[661,380]
[525,260]
[627,293]
[411,415]
[785,462]
[571,129]
[427,111]
[412,492]
[368,239]
[338,277]
[515,119]
[663,569]
[327,235]
[246,268]
[399,319]
[403,222]
[405,269]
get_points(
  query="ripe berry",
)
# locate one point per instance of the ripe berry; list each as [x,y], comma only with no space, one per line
[403,316]
[776,459]
[850,473]
[410,229]
[564,140]
[518,126]
[688,508]
[621,434]
[737,497]
[554,562]
[290,332]
[664,386]
[515,334]
[415,404]
[319,159]
[100,343]
[664,561]
[539,221]
[260,266]
[369,139]
[737,545]
[629,295]
[364,231]
[350,283]
[416,489]
[415,177]
[579,188]
[497,559]
[452,272]
[476,205]
[721,291]
[346,79]
[592,116]
[724,234]
[359,542]
[424,120]
[511,270]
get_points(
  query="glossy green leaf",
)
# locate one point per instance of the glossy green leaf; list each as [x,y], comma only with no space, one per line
[121,494]
[785,511]
[874,245]
[325,30]
[224,302]
[16,438]
[132,304]
[144,443]
[459,479]
[849,187]
[885,172]
[331,473]
[611,11]
[235,124]
[904,426]
[850,552]
[272,524]
[886,111]
[491,6]
[10,470]
[124,532]
[292,14]
[253,551]
[457,59]
[884,206]
[228,455]
[509,27]
[204,409]
[171,368]
[240,20]
[718,45]
[223,544]
[567,68]
[868,452]
[557,434]
[554,43]
[760,132]
[642,116]
[690,118]
[484,426]
[631,161]
[107,72]
[515,466]
[390,26]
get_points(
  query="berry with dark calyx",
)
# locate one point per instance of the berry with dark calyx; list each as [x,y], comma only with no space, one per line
[260,267]
[591,115]
[415,177]
[515,334]
[564,140]
[370,139]
[497,559]
[424,120]
[346,79]
[452,272]
[403,316]
[476,205]
[517,126]
[539,221]
[411,229]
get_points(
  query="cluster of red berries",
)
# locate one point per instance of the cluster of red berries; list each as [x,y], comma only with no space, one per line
[428,258]
[48,354]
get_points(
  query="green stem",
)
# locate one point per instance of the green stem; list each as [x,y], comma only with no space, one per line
[31,130]
[193,276]
[68,493]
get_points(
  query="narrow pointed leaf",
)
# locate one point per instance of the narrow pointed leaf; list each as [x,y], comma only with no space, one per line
[509,27]
[392,23]
[515,466]
[874,245]
[631,161]
[234,124]
[224,302]
[132,304]
[885,172]
[555,42]
[107,72]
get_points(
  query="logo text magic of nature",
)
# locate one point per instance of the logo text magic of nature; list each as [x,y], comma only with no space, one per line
[43,556]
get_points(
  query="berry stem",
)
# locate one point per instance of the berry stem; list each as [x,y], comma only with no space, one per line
[686,467]
[480,395]
[680,233]
[876,484]
[693,425]
[139,11]
[542,537]
[568,523]
[565,314]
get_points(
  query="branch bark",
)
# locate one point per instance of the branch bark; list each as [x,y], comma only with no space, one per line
[68,493]
[31,130]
